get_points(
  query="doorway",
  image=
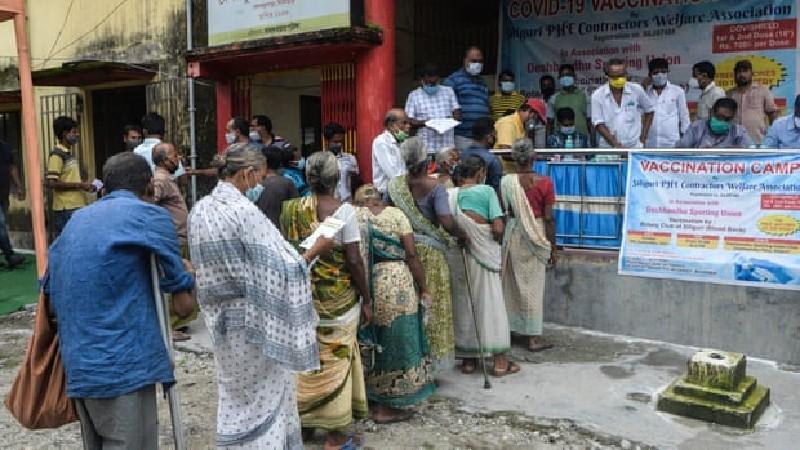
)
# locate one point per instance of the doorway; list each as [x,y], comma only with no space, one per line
[112,109]
[310,124]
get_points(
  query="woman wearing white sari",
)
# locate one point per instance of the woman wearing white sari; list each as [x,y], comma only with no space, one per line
[476,210]
[529,244]
[255,294]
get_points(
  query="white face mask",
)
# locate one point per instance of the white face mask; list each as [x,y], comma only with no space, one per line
[660,79]
[474,68]
[230,138]
[254,136]
[506,86]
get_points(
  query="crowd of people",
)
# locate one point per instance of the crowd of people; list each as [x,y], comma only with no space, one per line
[441,256]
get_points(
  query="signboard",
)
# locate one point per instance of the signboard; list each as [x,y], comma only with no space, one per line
[722,219]
[540,35]
[246,20]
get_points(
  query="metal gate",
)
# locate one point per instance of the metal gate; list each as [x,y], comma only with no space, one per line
[338,88]
[167,98]
[52,106]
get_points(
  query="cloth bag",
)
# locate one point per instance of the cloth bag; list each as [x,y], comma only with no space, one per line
[38,397]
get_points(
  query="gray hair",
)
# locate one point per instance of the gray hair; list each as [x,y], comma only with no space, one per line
[160,153]
[322,172]
[443,155]
[414,154]
[522,151]
[238,157]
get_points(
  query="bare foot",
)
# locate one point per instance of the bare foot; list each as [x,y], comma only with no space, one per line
[536,344]
[383,414]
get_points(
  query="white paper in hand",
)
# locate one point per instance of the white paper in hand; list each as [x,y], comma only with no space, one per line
[328,228]
[442,126]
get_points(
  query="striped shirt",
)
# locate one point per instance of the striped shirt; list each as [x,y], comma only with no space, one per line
[473,96]
[503,105]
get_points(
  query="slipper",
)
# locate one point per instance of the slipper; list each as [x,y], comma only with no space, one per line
[511,368]
[539,348]
[401,417]
[179,336]
[352,445]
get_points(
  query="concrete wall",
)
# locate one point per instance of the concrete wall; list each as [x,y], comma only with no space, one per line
[585,290]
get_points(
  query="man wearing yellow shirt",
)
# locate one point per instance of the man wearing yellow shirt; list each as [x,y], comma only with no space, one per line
[510,128]
[506,100]
[64,174]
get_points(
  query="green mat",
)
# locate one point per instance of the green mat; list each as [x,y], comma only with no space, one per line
[18,287]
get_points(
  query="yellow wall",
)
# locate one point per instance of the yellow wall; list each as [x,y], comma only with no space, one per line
[277,95]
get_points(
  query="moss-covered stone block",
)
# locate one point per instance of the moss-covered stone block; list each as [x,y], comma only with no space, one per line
[744,415]
[734,397]
[717,369]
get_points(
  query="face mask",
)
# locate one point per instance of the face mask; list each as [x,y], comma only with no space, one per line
[548,90]
[693,83]
[474,68]
[660,79]
[797,122]
[72,139]
[254,136]
[131,144]
[617,82]
[568,130]
[506,86]
[254,193]
[400,136]
[335,148]
[567,81]
[430,89]
[230,138]
[719,127]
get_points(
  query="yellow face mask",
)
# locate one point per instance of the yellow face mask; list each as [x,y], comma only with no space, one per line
[617,82]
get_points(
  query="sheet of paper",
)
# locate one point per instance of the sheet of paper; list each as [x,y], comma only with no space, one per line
[442,125]
[328,228]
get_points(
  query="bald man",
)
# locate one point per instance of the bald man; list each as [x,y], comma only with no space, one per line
[387,162]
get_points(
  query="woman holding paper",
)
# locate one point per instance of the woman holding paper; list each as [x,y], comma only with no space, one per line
[333,396]
[402,374]
[244,268]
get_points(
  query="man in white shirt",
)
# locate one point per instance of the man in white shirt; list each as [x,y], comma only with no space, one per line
[671,118]
[153,126]
[387,162]
[703,74]
[348,165]
[432,101]
[621,111]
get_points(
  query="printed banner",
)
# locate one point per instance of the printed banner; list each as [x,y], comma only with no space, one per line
[722,219]
[245,20]
[540,35]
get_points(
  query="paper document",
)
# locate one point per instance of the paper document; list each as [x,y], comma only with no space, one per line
[442,125]
[328,228]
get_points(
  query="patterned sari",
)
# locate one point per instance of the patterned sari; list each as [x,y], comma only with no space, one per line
[432,242]
[333,396]
[402,372]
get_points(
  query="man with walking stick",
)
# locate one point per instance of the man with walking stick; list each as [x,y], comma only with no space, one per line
[99,282]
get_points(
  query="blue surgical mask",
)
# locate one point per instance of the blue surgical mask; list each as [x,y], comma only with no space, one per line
[568,130]
[567,81]
[254,192]
[506,86]
[660,80]
[474,68]
[230,138]
[430,89]
[254,136]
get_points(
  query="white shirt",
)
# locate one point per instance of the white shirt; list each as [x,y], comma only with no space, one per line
[671,118]
[350,232]
[347,166]
[624,120]
[421,106]
[387,162]
[145,150]
[708,97]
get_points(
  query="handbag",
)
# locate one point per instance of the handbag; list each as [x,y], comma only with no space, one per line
[38,398]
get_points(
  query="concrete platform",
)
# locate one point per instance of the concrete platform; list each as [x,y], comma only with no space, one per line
[610,384]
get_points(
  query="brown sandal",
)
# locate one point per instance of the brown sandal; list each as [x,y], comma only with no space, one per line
[511,368]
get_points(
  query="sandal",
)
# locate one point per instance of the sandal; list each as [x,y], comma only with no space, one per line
[468,366]
[511,368]
[539,347]
[180,336]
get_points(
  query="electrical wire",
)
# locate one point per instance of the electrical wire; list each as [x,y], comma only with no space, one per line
[91,30]
[60,31]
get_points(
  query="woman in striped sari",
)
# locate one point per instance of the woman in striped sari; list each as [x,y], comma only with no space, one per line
[425,202]
[333,396]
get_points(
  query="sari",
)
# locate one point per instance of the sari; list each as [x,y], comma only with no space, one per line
[431,242]
[482,282]
[402,374]
[255,295]
[329,398]
[526,251]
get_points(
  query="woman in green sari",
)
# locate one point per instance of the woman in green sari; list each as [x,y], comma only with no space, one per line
[425,202]
[401,374]
[332,397]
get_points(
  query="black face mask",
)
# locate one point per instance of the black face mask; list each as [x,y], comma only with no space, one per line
[548,90]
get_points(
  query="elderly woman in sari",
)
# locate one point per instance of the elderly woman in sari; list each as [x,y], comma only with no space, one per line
[401,374]
[446,162]
[529,244]
[332,397]
[425,202]
[477,211]
[255,293]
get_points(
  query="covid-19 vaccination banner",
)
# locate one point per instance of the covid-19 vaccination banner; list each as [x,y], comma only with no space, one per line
[722,219]
[539,35]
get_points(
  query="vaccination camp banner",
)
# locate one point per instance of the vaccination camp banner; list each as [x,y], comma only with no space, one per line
[540,35]
[719,219]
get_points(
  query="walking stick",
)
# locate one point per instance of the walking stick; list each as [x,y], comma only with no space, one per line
[172,391]
[486,383]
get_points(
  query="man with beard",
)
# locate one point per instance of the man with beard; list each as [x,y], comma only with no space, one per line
[167,194]
[757,107]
